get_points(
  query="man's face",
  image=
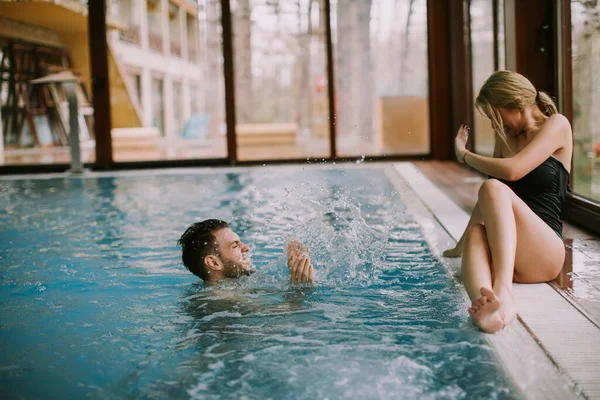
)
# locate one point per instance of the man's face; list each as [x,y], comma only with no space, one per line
[233,254]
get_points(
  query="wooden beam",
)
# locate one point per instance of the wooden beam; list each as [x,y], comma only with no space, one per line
[228,70]
[564,68]
[330,82]
[22,84]
[565,58]
[531,45]
[100,82]
[450,96]
[12,89]
[460,62]
[496,28]
[440,97]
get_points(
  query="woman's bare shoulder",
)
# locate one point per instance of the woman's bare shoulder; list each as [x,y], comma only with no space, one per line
[560,123]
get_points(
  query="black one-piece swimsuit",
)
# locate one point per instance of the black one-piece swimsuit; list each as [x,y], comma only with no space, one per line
[544,190]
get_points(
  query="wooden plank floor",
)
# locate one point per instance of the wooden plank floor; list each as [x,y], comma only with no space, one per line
[579,280]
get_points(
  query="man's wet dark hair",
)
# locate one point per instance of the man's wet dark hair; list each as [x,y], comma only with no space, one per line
[197,242]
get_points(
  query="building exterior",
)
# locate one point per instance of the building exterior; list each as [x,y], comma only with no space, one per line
[158,51]
[154,68]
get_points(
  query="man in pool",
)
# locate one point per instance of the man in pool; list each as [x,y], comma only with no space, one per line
[212,251]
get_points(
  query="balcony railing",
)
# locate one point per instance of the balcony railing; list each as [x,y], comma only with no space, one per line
[130,34]
[155,42]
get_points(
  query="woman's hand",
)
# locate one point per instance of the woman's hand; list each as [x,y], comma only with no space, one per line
[460,143]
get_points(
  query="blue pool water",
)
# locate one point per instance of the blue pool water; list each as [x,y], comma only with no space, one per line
[95,302]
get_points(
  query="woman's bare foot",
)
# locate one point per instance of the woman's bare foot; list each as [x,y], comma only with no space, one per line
[507,304]
[492,311]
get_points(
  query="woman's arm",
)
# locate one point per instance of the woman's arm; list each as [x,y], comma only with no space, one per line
[550,138]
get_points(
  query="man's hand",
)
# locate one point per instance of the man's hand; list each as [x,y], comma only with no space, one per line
[301,268]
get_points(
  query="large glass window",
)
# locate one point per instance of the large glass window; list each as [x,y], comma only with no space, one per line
[280,79]
[381,77]
[484,57]
[585,17]
[182,99]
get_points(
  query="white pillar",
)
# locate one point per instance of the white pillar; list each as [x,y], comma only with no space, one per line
[146,97]
[183,33]
[186,109]
[142,13]
[168,107]
[164,22]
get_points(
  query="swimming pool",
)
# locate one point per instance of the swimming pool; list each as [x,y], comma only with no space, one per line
[95,301]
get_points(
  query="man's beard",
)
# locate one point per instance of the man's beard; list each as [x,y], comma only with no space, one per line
[232,269]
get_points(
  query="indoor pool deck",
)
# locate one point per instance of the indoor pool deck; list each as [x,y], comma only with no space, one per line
[552,350]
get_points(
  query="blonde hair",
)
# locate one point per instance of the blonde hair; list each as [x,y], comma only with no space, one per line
[510,90]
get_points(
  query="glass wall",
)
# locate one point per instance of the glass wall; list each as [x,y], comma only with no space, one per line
[484,56]
[280,79]
[381,73]
[166,81]
[585,17]
[182,90]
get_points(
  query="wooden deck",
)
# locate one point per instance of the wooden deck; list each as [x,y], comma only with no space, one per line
[579,280]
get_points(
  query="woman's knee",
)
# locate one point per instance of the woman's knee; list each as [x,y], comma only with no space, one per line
[492,189]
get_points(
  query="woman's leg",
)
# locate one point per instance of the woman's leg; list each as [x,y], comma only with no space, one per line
[521,246]
[476,266]
[477,273]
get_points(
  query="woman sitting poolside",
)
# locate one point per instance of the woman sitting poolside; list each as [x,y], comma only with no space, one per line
[515,230]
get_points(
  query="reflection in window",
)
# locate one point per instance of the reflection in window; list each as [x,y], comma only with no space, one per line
[483,56]
[381,76]
[280,79]
[180,119]
[135,80]
[158,113]
[177,109]
[585,18]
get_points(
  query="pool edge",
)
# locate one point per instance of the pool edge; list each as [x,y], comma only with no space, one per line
[549,352]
